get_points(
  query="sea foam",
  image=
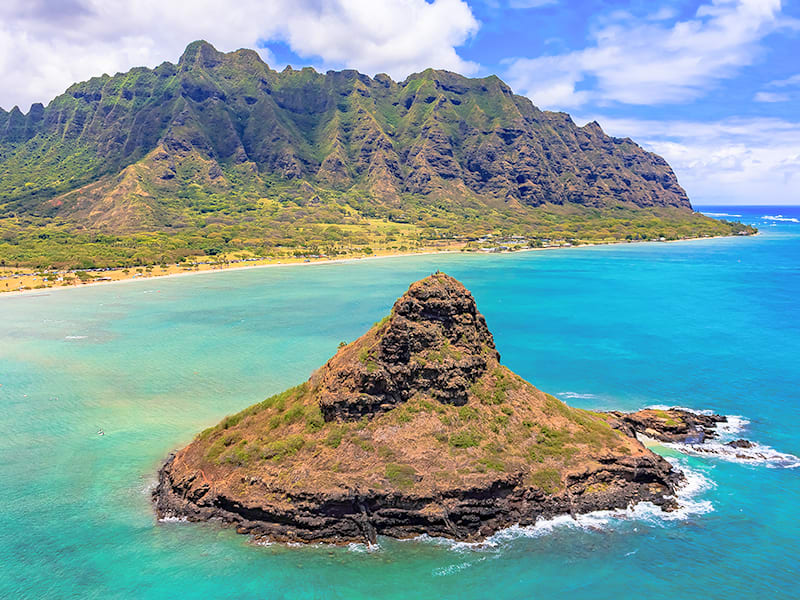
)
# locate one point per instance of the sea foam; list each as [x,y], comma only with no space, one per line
[576,395]
[780,218]
[173,519]
[683,408]
[759,454]
[727,431]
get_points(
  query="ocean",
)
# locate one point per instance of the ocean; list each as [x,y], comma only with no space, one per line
[707,324]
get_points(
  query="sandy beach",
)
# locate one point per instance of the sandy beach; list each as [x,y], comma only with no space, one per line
[32,283]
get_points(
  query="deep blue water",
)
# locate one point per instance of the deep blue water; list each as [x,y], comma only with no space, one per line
[710,324]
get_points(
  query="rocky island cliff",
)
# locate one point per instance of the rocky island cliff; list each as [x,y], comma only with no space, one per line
[414,428]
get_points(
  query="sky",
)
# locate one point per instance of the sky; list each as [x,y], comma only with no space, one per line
[711,85]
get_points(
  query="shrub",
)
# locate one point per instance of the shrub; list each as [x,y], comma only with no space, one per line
[548,480]
[551,443]
[282,448]
[402,476]
[314,419]
[465,439]
[492,463]
[335,437]
[467,413]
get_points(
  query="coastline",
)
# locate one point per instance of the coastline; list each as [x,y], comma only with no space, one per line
[328,261]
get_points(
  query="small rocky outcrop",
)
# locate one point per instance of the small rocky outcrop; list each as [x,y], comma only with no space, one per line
[668,425]
[414,428]
[741,444]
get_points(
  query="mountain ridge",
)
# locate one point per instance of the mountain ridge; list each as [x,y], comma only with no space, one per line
[429,153]
[221,143]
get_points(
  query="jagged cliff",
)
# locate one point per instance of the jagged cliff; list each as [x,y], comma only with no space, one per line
[127,142]
[413,428]
[219,153]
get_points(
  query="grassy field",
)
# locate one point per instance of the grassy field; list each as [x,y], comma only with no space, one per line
[335,226]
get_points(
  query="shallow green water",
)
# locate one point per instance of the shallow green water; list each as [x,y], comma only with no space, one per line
[710,324]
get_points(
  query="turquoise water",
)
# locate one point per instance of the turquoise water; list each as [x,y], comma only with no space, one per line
[707,324]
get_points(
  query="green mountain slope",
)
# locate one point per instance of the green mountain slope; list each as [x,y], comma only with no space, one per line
[220,153]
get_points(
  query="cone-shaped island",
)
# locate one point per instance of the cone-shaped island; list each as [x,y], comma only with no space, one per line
[413,428]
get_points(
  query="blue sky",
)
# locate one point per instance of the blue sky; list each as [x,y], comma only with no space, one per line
[712,85]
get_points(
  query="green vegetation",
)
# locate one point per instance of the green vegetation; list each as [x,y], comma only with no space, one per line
[668,419]
[219,446]
[596,488]
[208,160]
[335,436]
[402,476]
[548,480]
[279,449]
[445,352]
[365,445]
[278,401]
[465,439]
[363,355]
[551,443]
[467,413]
[496,392]
[591,431]
[492,463]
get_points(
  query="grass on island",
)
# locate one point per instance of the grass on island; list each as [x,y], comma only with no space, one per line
[499,430]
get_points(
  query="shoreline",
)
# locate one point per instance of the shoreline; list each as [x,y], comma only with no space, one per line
[329,261]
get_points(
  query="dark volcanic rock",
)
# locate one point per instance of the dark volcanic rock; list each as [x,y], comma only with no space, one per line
[671,425]
[435,342]
[741,444]
[471,513]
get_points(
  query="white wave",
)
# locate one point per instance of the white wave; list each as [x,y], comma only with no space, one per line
[148,485]
[780,218]
[688,505]
[728,431]
[577,395]
[759,454]
[452,569]
[716,214]
[733,425]
[75,337]
[173,519]
[683,408]
[361,547]
[262,542]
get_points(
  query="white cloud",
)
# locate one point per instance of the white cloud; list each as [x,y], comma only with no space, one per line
[732,161]
[529,3]
[45,45]
[771,97]
[649,62]
[792,81]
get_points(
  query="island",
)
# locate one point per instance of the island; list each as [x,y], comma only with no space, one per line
[417,428]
